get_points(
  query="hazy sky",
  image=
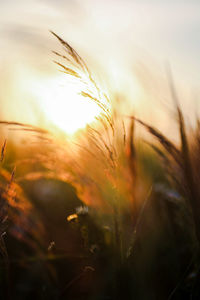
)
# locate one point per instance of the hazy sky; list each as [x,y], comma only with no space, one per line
[116,35]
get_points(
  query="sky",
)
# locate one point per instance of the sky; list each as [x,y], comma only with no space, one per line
[126,42]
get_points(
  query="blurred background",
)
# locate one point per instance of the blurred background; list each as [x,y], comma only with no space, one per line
[126,43]
[103,213]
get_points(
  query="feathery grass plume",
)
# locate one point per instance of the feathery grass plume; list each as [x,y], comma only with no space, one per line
[105,145]
[104,166]
[79,70]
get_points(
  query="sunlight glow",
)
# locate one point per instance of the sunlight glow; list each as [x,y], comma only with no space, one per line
[63,105]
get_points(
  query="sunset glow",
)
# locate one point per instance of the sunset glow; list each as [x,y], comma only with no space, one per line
[99,149]
[62,104]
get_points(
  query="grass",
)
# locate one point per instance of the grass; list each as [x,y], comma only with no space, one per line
[111,217]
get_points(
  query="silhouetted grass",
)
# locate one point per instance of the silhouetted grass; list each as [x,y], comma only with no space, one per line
[107,217]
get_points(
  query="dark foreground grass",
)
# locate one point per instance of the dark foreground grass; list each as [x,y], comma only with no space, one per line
[109,218]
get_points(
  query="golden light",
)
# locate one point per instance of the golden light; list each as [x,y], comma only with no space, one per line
[62,104]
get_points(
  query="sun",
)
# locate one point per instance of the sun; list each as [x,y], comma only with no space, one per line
[62,104]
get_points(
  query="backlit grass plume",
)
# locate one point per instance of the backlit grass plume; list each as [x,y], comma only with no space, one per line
[128,225]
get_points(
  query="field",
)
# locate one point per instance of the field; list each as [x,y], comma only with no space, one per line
[111,215]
